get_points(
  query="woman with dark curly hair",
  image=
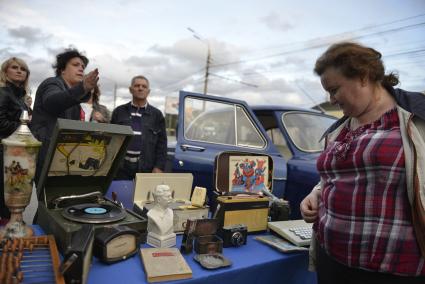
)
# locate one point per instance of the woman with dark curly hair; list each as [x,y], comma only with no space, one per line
[61,96]
[14,76]
[369,207]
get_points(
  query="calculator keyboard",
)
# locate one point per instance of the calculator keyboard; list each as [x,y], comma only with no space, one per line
[297,232]
[304,232]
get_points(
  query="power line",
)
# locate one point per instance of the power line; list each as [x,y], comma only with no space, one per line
[315,46]
[389,57]
[208,63]
[233,80]
[405,52]
[308,96]
[370,27]
[195,82]
[182,80]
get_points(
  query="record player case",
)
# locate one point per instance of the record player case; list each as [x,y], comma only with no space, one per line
[82,159]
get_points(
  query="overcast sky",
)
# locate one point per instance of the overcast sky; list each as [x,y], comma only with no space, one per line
[261,51]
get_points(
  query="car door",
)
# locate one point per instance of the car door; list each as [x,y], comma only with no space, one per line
[209,125]
[302,131]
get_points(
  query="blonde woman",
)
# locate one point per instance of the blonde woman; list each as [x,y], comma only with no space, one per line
[14,76]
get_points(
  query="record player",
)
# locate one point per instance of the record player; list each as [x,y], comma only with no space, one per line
[78,169]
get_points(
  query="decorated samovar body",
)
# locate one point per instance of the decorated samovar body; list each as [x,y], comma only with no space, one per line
[19,155]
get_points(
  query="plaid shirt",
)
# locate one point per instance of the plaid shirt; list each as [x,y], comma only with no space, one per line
[364,214]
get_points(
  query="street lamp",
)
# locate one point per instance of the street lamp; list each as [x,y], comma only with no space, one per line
[207,68]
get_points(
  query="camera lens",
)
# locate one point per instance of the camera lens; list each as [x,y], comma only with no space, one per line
[237,239]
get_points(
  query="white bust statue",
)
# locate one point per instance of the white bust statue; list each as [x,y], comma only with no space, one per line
[160,217]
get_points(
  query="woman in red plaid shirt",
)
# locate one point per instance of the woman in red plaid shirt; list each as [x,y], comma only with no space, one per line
[368,208]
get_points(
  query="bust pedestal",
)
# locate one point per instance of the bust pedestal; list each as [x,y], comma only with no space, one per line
[160,228]
[159,241]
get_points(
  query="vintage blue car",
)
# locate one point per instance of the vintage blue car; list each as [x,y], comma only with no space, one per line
[210,125]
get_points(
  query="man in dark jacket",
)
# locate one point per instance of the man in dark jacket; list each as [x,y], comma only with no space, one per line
[147,151]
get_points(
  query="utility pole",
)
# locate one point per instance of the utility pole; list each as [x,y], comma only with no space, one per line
[207,67]
[115,95]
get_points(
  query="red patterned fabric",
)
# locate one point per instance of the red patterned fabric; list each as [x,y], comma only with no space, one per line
[364,217]
[82,114]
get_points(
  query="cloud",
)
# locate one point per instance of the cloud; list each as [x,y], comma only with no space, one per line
[300,62]
[8,52]
[170,68]
[29,35]
[40,70]
[311,91]
[146,61]
[274,22]
[178,66]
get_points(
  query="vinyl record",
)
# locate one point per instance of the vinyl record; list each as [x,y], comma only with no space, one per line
[94,213]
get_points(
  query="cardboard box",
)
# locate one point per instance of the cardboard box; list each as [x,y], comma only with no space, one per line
[180,184]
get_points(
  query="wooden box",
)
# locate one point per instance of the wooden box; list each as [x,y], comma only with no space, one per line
[206,240]
[239,179]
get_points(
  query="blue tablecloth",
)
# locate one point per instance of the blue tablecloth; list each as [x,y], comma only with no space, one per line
[252,263]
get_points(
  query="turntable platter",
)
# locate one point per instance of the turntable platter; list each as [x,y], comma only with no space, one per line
[94,213]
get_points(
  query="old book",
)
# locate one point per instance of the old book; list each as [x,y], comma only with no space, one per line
[164,264]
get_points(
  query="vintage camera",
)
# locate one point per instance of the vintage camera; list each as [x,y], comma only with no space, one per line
[280,210]
[234,235]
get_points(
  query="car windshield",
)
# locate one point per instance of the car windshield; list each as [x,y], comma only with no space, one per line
[306,129]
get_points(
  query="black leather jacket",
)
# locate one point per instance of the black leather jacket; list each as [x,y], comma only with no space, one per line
[12,103]
[53,100]
[154,138]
